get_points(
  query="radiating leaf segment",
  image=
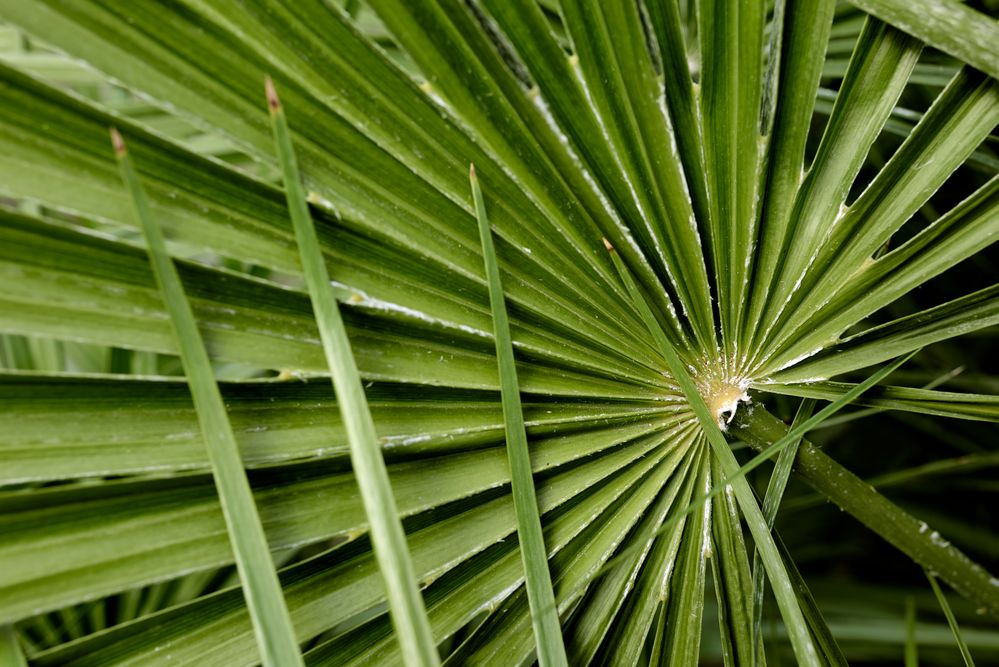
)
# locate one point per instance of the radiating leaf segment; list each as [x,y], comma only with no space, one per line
[271,622]
[798,630]
[405,602]
[534,555]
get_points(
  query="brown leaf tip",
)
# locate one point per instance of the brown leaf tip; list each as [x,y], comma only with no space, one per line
[117,142]
[471,171]
[607,244]
[273,103]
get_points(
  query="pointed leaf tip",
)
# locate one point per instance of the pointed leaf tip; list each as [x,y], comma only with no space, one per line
[273,103]
[117,142]
[471,171]
[607,244]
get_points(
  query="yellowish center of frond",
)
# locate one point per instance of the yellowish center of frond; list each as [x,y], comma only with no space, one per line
[723,395]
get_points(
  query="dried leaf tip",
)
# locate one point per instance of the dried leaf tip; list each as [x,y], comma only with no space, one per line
[471,172]
[273,103]
[607,244]
[117,142]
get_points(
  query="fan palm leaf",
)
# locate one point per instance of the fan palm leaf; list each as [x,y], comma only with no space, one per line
[755,249]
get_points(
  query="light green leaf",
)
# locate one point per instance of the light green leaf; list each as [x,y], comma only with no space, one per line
[686,602]
[646,606]
[608,42]
[807,24]
[965,314]
[10,650]
[426,217]
[963,231]
[271,623]
[771,504]
[534,554]
[112,300]
[616,593]
[275,421]
[958,121]
[733,580]
[156,529]
[503,639]
[665,23]
[950,26]
[456,605]
[924,401]
[881,63]
[731,82]
[951,621]
[334,586]
[387,536]
[759,236]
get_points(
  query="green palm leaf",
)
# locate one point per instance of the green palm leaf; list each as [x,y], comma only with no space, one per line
[796,191]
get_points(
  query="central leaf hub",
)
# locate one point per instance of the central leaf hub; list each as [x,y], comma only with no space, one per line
[722,395]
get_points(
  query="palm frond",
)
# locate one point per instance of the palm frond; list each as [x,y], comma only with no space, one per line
[796,192]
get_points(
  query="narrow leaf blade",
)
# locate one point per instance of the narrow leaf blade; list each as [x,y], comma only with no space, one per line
[271,621]
[391,550]
[541,597]
[951,621]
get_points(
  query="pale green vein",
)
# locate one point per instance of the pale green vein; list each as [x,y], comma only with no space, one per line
[409,615]
[268,612]
[540,596]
